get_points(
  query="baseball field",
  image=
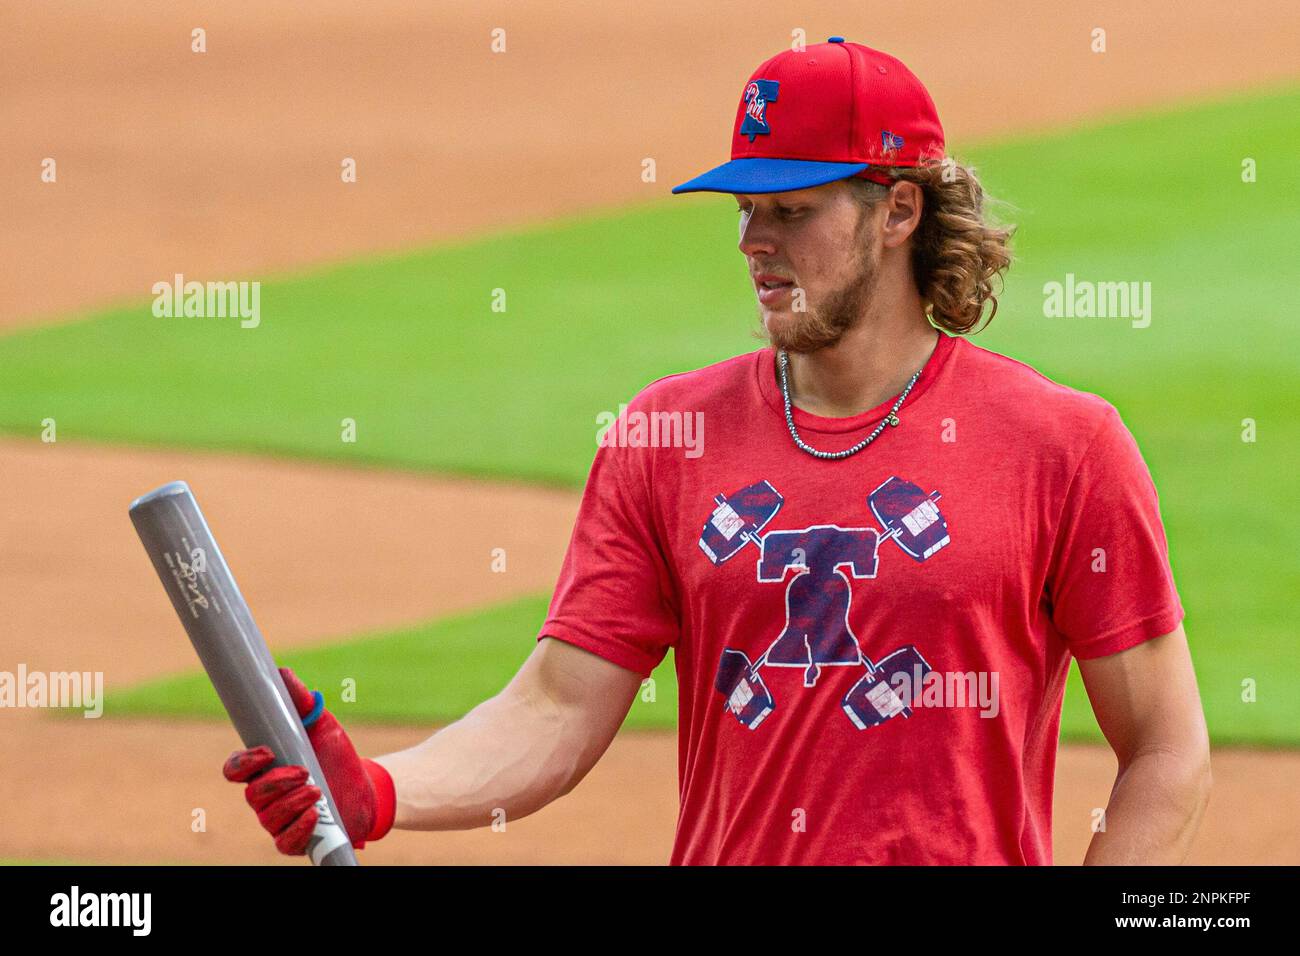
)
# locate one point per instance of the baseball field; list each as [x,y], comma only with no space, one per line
[465,253]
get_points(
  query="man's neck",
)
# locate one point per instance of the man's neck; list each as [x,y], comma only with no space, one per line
[870,365]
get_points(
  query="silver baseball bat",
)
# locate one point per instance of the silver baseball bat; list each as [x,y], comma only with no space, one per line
[232,649]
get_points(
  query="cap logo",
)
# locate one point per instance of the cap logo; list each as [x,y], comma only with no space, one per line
[757,95]
[890,143]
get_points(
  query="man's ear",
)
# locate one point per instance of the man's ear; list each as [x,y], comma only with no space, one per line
[903,208]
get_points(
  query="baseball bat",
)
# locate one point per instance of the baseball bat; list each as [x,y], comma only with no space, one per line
[232,649]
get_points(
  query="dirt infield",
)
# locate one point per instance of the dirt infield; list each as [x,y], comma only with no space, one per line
[226,165]
[61,798]
[319,551]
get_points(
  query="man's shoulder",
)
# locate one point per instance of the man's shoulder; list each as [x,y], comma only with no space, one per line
[1018,391]
[697,387]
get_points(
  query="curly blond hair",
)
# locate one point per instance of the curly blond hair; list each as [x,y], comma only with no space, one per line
[957,253]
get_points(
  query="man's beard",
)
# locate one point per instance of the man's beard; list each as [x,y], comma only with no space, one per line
[825,323]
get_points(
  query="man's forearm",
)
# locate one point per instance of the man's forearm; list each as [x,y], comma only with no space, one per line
[1154,811]
[509,755]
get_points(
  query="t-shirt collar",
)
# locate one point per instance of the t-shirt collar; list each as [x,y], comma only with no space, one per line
[765,369]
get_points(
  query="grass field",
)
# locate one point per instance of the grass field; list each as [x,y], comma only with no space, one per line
[429,674]
[7,861]
[410,348]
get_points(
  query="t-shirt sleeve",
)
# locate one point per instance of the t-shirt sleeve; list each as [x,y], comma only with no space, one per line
[1110,583]
[615,596]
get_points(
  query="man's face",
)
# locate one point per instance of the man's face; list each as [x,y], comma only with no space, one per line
[813,258]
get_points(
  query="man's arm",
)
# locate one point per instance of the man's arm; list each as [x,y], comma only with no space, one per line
[519,750]
[1148,706]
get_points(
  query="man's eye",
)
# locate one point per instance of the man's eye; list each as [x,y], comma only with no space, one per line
[783,212]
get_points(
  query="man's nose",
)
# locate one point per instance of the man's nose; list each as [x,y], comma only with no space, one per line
[756,236]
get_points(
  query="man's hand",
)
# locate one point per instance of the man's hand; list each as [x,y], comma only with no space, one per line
[285,802]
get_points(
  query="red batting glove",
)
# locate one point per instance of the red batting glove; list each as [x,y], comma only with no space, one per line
[285,802]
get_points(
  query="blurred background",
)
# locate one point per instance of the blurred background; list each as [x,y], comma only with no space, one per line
[465,251]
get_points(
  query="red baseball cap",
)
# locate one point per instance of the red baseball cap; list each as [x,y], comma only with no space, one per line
[826,112]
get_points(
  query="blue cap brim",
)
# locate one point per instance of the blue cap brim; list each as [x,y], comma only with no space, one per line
[759,175]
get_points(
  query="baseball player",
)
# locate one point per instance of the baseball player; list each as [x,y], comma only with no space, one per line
[873,572]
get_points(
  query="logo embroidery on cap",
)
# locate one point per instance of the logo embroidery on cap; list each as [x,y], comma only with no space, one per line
[889,142]
[757,95]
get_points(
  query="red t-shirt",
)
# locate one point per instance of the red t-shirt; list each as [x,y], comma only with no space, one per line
[871,652]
